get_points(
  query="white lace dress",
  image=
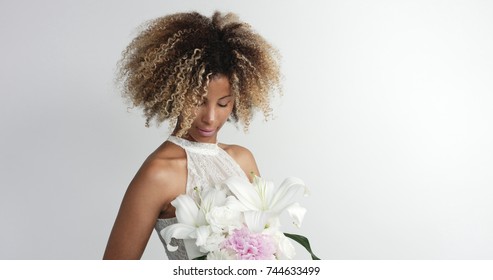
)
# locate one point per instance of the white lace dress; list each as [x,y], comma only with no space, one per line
[207,165]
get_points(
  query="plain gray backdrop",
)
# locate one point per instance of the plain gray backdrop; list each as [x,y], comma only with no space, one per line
[386,116]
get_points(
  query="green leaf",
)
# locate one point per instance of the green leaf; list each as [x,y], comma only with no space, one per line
[204,257]
[304,242]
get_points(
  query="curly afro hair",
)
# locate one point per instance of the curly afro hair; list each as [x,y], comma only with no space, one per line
[165,70]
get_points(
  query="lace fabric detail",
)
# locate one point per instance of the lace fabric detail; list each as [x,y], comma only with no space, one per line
[195,147]
[207,165]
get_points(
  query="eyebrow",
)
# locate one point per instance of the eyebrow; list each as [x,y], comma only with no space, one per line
[230,95]
[226,96]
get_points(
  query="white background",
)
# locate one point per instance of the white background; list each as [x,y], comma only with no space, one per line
[386,116]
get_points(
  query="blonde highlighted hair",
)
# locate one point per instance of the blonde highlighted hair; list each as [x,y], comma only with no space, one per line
[165,70]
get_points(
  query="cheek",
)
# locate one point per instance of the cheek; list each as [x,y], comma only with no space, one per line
[225,114]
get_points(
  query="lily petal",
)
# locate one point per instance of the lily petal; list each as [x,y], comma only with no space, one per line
[212,198]
[186,209]
[286,193]
[256,220]
[244,191]
[178,231]
[234,204]
[265,190]
[202,233]
[297,213]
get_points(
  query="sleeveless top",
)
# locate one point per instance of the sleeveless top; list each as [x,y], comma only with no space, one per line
[207,165]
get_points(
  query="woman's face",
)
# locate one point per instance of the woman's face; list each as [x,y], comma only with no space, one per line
[213,112]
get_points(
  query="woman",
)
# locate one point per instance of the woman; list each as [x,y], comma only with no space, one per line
[197,73]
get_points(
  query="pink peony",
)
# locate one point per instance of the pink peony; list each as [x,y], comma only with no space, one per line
[250,246]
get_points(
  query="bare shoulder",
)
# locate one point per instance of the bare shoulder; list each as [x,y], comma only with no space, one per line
[160,179]
[243,157]
[164,170]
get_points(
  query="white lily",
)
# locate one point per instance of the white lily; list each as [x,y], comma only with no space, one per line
[264,196]
[191,216]
[297,212]
[189,220]
[256,221]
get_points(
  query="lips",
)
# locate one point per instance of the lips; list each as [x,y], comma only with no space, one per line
[206,132]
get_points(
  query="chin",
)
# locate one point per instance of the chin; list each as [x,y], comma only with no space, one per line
[203,138]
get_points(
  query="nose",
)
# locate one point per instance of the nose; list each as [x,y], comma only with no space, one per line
[208,114]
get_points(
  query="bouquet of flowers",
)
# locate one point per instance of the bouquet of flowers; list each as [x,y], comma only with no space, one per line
[239,220]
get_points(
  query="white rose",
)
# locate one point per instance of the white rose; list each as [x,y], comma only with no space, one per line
[285,249]
[212,243]
[220,255]
[223,219]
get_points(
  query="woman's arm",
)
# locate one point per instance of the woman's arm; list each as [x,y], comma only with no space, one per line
[144,199]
